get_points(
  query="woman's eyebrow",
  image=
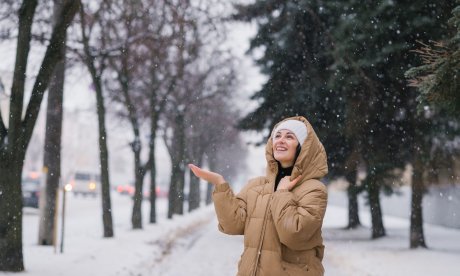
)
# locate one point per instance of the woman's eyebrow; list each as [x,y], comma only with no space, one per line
[287,133]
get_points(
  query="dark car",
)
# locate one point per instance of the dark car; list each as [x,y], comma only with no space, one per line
[30,192]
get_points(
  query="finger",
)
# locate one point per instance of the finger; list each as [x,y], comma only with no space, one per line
[192,166]
[200,173]
[293,182]
[195,169]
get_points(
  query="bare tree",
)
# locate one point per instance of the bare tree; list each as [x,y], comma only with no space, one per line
[15,139]
[213,82]
[95,61]
[212,133]
[124,32]
[201,70]
[144,50]
[158,85]
[52,151]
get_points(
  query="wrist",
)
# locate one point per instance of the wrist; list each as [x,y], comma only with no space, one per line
[219,180]
[221,187]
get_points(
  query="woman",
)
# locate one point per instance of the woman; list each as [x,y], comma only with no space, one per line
[280,214]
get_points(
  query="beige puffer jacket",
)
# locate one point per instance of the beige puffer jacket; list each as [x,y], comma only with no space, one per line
[282,229]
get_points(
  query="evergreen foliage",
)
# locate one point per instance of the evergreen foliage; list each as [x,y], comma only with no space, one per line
[375,39]
[341,64]
[295,39]
[438,79]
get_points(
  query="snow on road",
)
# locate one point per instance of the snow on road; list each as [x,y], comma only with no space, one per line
[192,245]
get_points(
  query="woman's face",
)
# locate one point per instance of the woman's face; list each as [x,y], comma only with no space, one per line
[284,147]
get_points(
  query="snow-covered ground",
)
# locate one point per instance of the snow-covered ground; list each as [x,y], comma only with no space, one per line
[352,253]
[192,245]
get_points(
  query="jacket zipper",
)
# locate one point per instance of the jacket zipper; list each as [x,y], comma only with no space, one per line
[264,225]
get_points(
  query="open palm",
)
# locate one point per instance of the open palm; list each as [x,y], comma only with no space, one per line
[208,176]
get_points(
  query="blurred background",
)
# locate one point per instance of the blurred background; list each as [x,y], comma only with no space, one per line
[110,100]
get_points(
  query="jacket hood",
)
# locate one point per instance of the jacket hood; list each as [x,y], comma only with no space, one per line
[311,162]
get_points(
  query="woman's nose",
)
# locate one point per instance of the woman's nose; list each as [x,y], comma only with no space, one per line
[281,140]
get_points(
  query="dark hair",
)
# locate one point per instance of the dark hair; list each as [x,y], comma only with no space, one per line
[297,152]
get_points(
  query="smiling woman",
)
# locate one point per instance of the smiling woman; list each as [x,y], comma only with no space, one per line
[279,214]
[284,147]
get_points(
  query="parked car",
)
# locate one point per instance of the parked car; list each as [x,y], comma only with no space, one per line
[30,192]
[126,189]
[84,183]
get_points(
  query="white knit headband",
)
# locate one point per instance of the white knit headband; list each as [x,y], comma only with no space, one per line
[295,126]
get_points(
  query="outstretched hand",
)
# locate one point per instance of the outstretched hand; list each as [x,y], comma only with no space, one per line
[286,183]
[208,176]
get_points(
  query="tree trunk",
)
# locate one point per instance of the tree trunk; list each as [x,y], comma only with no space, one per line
[194,196]
[417,238]
[353,207]
[26,15]
[136,218]
[11,257]
[153,168]
[52,152]
[172,195]
[373,189]
[212,167]
[209,189]
[181,160]
[176,190]
[104,159]
[103,152]
[14,146]
[136,146]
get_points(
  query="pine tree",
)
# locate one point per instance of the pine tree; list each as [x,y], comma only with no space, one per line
[375,39]
[438,78]
[438,86]
[342,65]
[297,44]
[292,36]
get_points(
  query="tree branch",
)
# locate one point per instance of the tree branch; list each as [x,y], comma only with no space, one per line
[26,15]
[52,56]
[146,167]
[167,143]
[87,58]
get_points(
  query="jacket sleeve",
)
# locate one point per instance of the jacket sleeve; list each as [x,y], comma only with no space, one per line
[296,221]
[230,209]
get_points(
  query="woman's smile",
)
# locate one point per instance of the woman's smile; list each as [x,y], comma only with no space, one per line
[284,147]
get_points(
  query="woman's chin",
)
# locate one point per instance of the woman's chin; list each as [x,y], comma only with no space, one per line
[282,159]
